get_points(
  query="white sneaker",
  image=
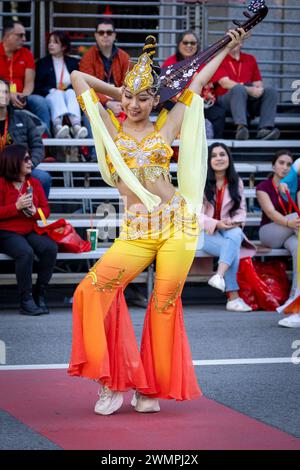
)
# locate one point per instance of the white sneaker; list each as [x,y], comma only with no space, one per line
[217,282]
[238,305]
[109,401]
[62,132]
[292,321]
[144,404]
[79,132]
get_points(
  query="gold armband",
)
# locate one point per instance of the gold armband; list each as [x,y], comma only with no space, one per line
[93,96]
[114,120]
[186,97]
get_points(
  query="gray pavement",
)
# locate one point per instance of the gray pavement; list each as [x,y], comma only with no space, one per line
[267,392]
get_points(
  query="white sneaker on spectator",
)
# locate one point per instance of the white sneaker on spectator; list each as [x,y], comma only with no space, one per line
[292,321]
[62,132]
[144,404]
[238,305]
[217,282]
[79,132]
[109,401]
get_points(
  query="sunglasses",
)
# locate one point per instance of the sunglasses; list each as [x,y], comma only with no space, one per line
[109,32]
[186,43]
[27,159]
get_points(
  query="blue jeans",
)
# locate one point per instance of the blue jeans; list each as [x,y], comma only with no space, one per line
[44,178]
[226,244]
[37,105]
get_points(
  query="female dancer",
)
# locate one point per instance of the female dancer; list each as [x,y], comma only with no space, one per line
[224,218]
[160,223]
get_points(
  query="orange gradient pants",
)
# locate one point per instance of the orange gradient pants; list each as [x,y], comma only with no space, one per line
[104,344]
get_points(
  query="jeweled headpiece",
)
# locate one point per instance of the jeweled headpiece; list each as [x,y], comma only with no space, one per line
[142,76]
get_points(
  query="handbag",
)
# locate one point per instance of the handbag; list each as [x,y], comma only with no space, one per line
[64,234]
[263,285]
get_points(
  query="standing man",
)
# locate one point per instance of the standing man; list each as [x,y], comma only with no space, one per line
[240,89]
[17,127]
[18,68]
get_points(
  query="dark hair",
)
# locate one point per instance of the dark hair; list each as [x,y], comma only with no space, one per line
[231,176]
[11,159]
[281,152]
[181,36]
[2,80]
[9,26]
[150,47]
[63,39]
[104,21]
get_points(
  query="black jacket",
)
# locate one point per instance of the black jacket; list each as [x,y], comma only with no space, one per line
[45,78]
[23,130]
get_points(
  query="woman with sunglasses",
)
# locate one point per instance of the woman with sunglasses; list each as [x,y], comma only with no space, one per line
[20,197]
[187,47]
[160,223]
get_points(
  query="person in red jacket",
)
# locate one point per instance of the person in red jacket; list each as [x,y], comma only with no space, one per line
[20,197]
[108,63]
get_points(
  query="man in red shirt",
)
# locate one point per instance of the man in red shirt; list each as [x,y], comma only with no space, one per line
[240,89]
[18,68]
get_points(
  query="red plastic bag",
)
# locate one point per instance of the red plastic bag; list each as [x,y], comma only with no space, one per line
[263,286]
[65,236]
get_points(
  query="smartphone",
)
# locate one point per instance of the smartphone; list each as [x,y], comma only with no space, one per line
[22,99]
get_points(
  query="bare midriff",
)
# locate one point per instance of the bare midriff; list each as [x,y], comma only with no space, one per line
[162,188]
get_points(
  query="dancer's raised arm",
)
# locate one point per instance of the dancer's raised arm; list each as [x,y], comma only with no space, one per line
[82,81]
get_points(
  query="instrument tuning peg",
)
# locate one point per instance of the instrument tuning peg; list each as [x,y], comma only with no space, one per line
[237,23]
[245,13]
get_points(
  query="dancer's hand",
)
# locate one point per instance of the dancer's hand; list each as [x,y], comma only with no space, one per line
[237,37]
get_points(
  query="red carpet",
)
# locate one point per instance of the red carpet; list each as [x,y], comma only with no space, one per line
[61,409]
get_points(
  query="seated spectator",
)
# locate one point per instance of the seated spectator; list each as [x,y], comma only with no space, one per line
[109,63]
[20,197]
[280,223]
[240,90]
[17,127]
[224,217]
[53,81]
[17,67]
[188,46]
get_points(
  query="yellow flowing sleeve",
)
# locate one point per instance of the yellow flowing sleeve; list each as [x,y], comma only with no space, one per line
[104,143]
[192,160]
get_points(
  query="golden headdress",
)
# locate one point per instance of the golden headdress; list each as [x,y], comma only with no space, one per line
[142,76]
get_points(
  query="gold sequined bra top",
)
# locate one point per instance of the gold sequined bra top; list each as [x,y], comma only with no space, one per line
[147,159]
